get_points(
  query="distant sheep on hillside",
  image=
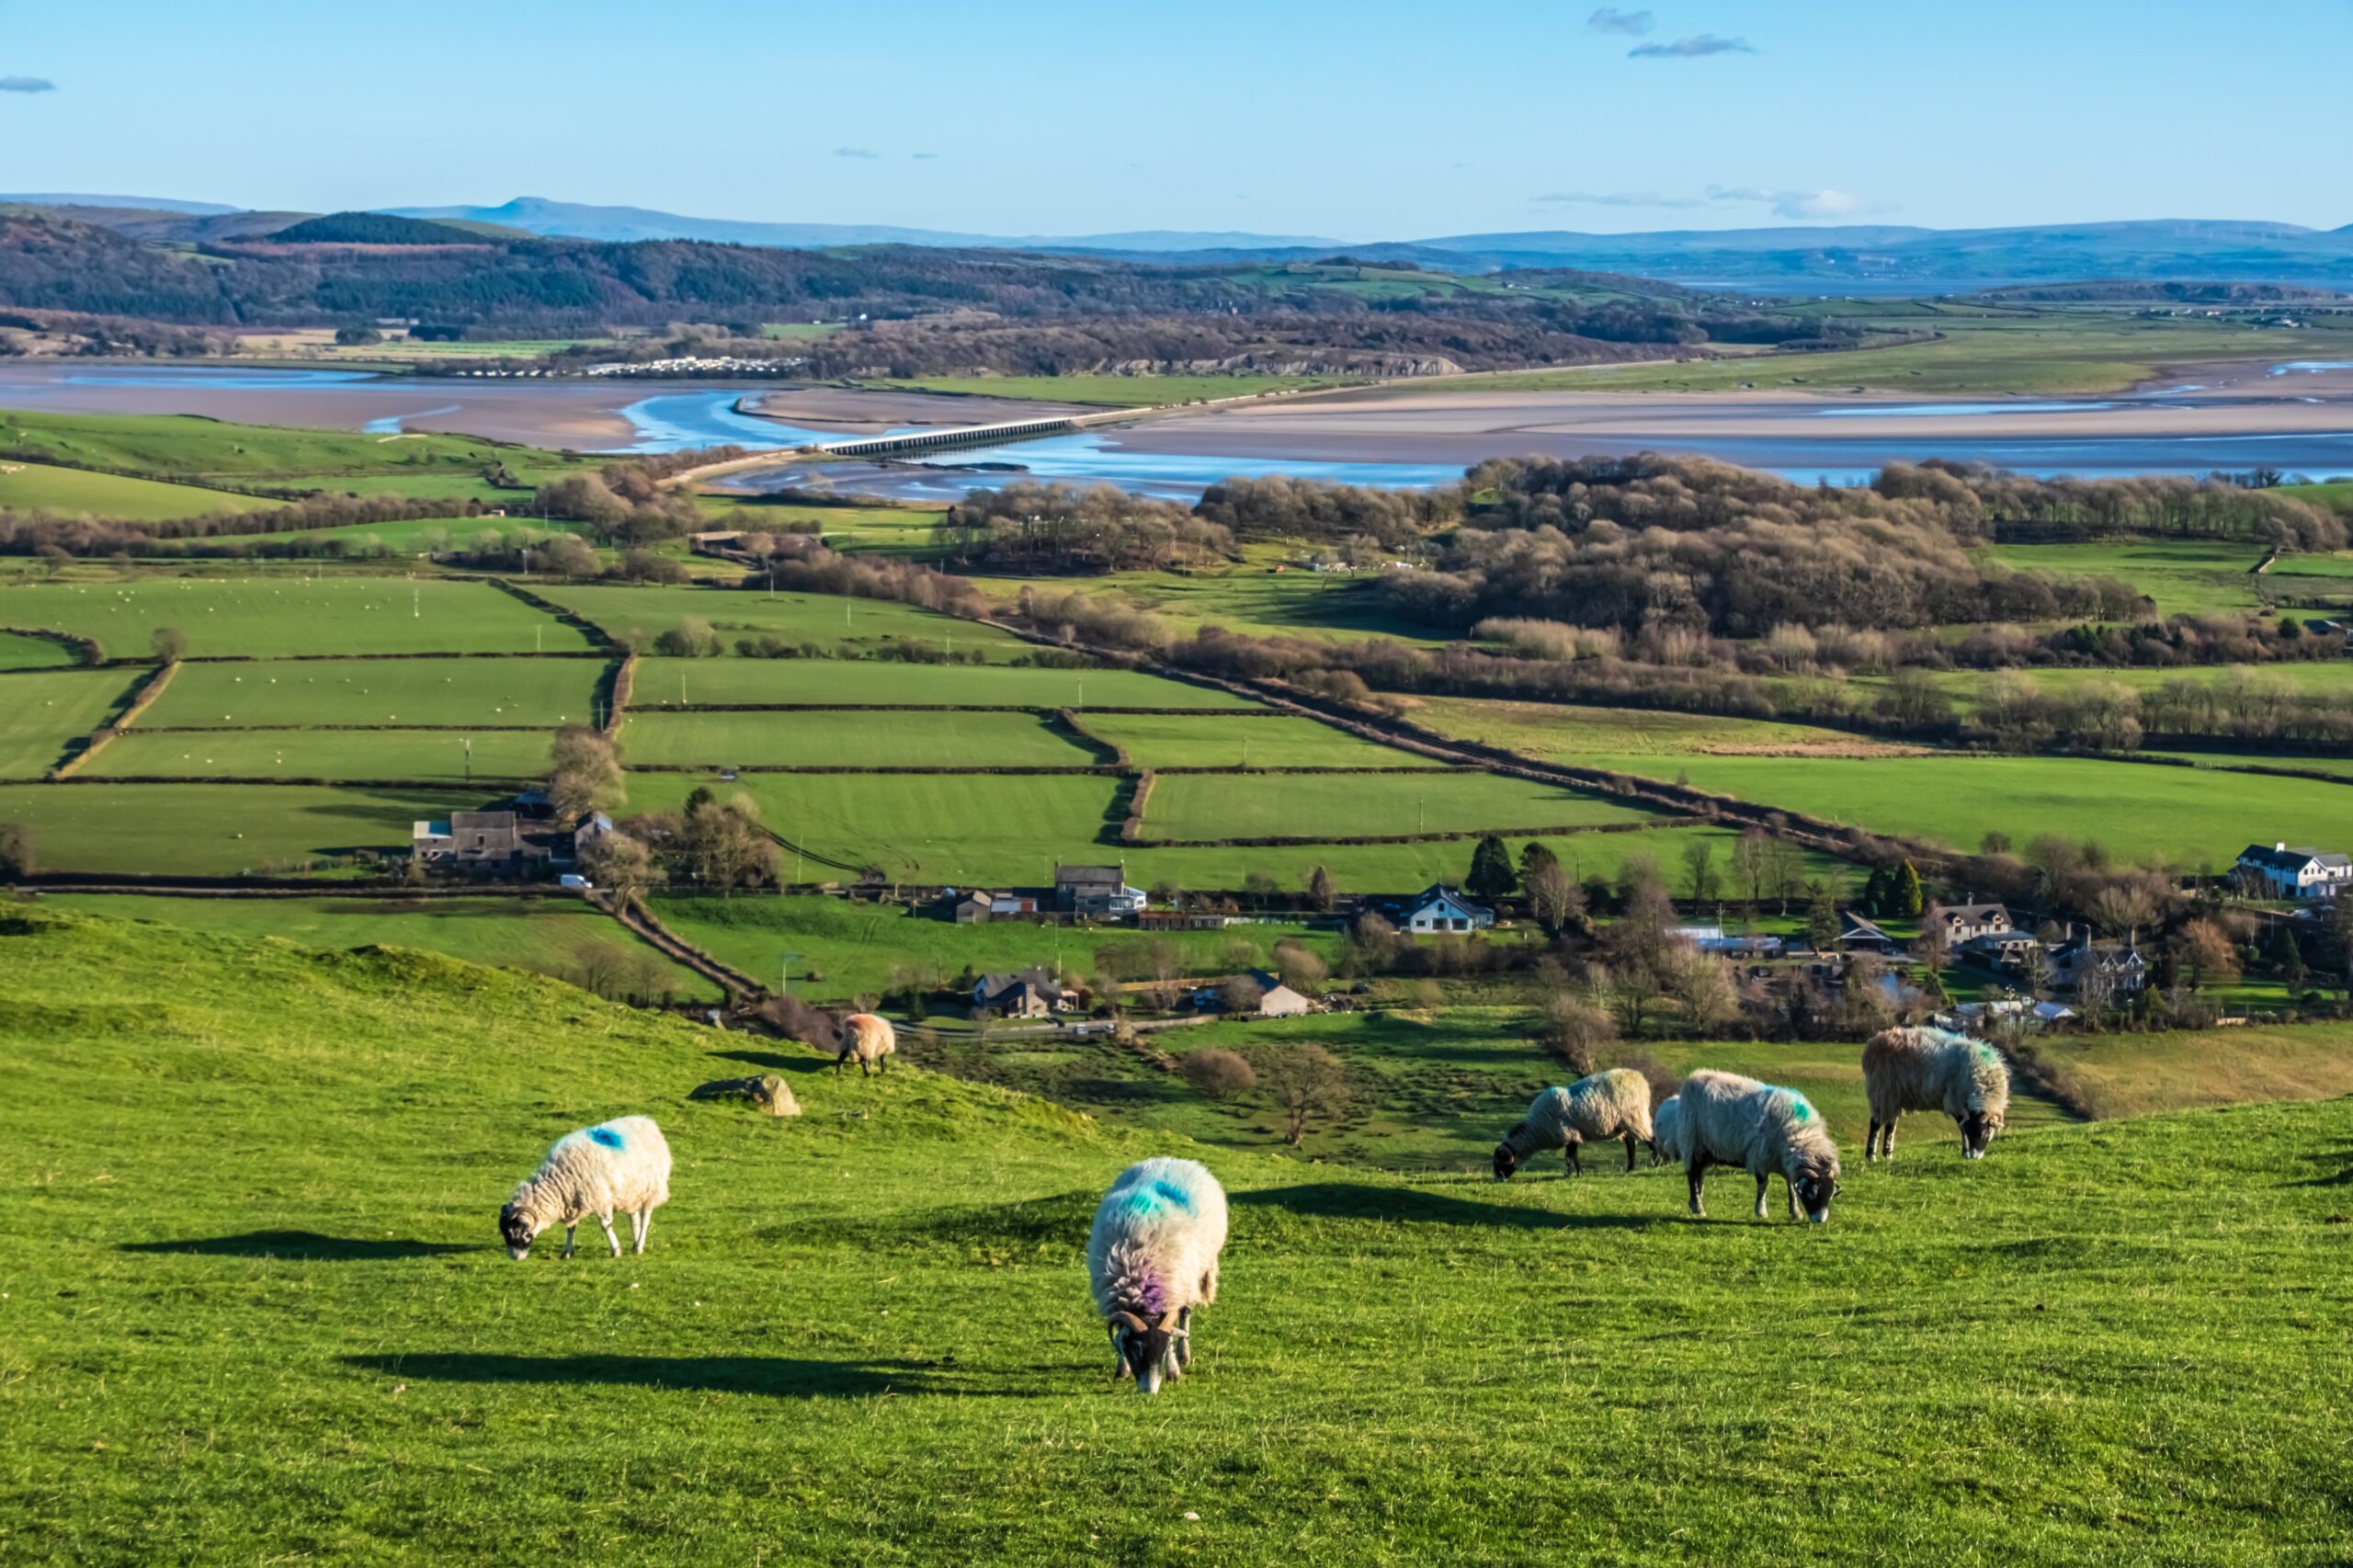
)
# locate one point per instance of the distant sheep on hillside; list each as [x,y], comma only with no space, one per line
[1152,1257]
[622,1164]
[1614,1103]
[1726,1120]
[1922,1069]
[868,1038]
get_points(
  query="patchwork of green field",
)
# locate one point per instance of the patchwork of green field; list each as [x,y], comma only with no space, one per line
[2182,576]
[71,491]
[882,530]
[1207,806]
[861,625]
[544,935]
[425,693]
[888,739]
[1254,598]
[43,712]
[856,682]
[2336,495]
[187,447]
[1562,732]
[844,950]
[2342,767]
[2247,684]
[440,755]
[2103,1344]
[419,536]
[18,651]
[217,830]
[2191,818]
[281,615]
[1408,867]
[1993,353]
[1172,740]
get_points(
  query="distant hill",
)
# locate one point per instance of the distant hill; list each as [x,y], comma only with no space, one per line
[143,203]
[374,229]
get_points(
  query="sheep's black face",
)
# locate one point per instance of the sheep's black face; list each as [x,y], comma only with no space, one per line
[1505,1161]
[1977,1130]
[1816,1189]
[515,1231]
[1147,1355]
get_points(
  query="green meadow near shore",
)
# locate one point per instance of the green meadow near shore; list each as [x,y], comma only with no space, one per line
[255,1308]
[285,615]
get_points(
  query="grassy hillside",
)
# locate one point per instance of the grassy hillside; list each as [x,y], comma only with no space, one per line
[43,712]
[286,1330]
[273,617]
[67,491]
[187,447]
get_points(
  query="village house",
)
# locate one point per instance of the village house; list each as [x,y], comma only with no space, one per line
[2011,950]
[1442,908]
[2282,872]
[1026,994]
[1963,923]
[978,907]
[1095,891]
[2118,964]
[1861,936]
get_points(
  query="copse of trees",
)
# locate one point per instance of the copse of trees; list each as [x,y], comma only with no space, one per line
[1027,526]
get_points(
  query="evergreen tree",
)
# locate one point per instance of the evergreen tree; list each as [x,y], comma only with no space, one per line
[1875,894]
[1491,875]
[1534,856]
[2287,959]
[1904,886]
[1821,916]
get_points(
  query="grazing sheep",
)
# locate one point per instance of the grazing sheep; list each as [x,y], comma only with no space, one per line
[1920,1069]
[1152,1257]
[620,1165]
[868,1038]
[1614,1103]
[1666,1131]
[1726,1120]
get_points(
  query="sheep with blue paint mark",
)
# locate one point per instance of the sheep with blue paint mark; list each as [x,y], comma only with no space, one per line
[1613,1103]
[1726,1120]
[1666,1131]
[620,1165]
[1151,1258]
[1924,1069]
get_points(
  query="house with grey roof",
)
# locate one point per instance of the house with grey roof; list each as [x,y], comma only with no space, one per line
[2295,873]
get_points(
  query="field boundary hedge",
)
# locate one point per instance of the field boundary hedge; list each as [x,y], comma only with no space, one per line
[620,680]
[597,636]
[85,649]
[1294,841]
[1066,719]
[1038,708]
[141,696]
[1132,828]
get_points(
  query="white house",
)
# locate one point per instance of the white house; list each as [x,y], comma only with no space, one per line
[2282,872]
[1442,908]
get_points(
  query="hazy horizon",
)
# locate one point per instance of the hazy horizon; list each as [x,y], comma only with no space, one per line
[1039,117]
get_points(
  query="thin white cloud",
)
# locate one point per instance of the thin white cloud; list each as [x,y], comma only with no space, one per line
[1696,48]
[1620,198]
[1631,24]
[1797,206]
[27,85]
[855,152]
[923,157]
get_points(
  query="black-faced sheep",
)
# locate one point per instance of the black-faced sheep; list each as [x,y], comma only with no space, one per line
[1151,1258]
[870,1040]
[1920,1069]
[623,1164]
[1726,1120]
[1614,1103]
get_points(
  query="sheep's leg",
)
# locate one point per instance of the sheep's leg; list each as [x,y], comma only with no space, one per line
[1887,1143]
[1575,1166]
[642,1224]
[838,1063]
[1790,1190]
[1698,1173]
[1762,1183]
[1184,1337]
[1870,1143]
[1629,1153]
[606,1220]
[568,1233]
[865,1068]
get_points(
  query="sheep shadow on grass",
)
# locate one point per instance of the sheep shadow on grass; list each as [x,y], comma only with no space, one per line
[1346,1201]
[303,1246]
[780,1377]
[771,1061]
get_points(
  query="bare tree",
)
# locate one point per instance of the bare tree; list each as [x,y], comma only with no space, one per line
[584,773]
[1307,1083]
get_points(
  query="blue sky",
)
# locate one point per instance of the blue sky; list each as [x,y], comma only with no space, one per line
[1360,120]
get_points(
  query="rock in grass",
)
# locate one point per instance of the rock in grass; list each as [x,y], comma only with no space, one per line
[768,1092]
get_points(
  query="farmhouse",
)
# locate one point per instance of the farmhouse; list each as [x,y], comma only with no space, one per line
[1276,1000]
[1027,994]
[2282,872]
[1861,936]
[1442,908]
[2002,949]
[1963,923]
[1096,891]
[2118,966]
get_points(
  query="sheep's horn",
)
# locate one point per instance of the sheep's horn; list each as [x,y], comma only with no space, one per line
[1131,1322]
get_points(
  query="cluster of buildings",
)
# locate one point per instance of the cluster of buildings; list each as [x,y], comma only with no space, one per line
[2298,874]
[522,840]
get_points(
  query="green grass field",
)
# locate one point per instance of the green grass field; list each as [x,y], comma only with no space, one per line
[217,830]
[68,492]
[2138,1074]
[2315,677]
[2180,816]
[849,740]
[1169,740]
[507,756]
[271,617]
[1405,868]
[425,692]
[1562,732]
[859,625]
[543,935]
[861,681]
[256,1310]
[18,651]
[1252,598]
[419,536]
[189,448]
[2183,577]
[846,950]
[1206,806]
[44,712]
